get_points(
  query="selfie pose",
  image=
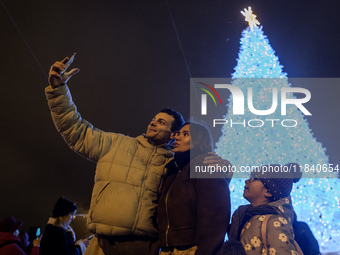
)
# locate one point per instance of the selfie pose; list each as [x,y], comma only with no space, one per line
[128,173]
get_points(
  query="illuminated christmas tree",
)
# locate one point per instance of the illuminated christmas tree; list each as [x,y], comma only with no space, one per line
[254,139]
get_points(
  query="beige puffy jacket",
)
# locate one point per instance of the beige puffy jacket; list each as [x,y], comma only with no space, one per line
[128,175]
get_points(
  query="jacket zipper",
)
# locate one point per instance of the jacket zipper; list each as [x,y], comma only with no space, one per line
[142,191]
[167,217]
[166,210]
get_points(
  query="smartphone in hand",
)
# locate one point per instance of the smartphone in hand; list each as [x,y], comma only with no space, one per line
[68,63]
[37,233]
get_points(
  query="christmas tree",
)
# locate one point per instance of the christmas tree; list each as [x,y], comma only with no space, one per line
[257,139]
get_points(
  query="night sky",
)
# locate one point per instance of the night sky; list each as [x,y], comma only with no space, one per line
[132,65]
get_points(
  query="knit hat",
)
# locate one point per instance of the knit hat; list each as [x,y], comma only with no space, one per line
[63,207]
[9,224]
[278,179]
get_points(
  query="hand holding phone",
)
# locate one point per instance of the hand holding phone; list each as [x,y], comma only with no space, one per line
[68,63]
[57,75]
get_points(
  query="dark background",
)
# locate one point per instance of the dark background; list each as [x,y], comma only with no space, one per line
[132,65]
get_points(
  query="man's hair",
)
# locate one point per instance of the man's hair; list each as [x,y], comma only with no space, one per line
[201,139]
[178,122]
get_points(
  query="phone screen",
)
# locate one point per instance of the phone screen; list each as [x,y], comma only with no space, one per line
[37,234]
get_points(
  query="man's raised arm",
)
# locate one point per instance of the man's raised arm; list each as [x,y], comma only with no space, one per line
[79,134]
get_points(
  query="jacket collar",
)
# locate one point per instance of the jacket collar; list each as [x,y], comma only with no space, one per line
[52,221]
[163,149]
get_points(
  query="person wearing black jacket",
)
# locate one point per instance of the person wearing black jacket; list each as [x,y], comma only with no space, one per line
[305,238]
[59,238]
[193,213]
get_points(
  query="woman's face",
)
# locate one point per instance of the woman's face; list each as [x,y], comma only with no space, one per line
[68,218]
[182,140]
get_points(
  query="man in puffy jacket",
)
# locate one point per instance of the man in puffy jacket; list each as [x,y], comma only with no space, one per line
[128,174]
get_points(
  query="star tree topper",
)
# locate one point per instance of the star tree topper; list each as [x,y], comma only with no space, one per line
[250,17]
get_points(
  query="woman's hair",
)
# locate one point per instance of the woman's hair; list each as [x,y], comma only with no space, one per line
[201,139]
[59,220]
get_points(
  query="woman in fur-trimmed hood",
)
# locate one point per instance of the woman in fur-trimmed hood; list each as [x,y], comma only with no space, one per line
[59,238]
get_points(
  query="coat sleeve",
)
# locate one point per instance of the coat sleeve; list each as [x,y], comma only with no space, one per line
[79,134]
[280,236]
[35,250]
[213,214]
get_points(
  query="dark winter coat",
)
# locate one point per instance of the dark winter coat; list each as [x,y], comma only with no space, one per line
[57,241]
[305,238]
[192,211]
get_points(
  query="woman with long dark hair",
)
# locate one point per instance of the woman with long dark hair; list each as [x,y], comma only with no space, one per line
[193,213]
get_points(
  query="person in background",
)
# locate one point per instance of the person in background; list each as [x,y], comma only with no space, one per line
[268,191]
[193,213]
[305,238]
[26,245]
[24,242]
[10,243]
[58,237]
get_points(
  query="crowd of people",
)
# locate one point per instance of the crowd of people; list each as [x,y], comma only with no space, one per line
[144,201]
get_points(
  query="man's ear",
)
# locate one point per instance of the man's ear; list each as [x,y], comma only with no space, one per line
[172,136]
[172,140]
[267,194]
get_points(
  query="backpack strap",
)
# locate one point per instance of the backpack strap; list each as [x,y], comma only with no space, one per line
[264,236]
[264,232]
[297,248]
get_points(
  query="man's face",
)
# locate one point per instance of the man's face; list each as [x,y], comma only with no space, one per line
[159,129]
